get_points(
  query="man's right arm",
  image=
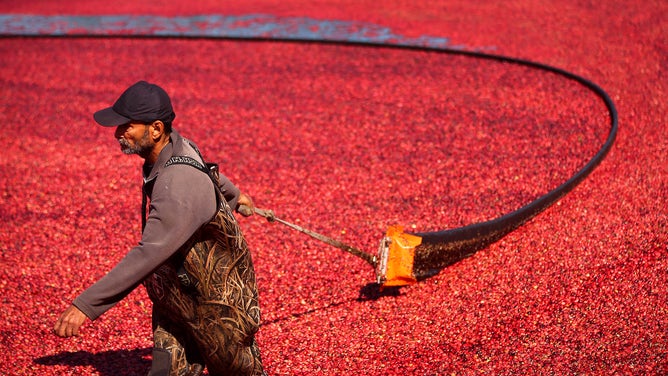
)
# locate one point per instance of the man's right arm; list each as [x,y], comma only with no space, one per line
[183,200]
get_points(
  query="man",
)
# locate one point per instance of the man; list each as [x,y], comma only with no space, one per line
[192,258]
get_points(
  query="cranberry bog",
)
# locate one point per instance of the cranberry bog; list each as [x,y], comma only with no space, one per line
[348,140]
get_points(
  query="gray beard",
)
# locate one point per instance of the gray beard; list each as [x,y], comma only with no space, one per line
[143,147]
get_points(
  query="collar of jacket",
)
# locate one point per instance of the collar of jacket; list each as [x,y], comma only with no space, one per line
[177,146]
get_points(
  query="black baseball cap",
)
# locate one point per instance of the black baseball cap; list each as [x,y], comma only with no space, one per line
[143,102]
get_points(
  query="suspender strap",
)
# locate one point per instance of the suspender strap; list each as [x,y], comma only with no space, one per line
[210,169]
[187,161]
[173,160]
[144,202]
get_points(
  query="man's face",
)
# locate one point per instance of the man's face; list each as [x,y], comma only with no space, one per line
[134,138]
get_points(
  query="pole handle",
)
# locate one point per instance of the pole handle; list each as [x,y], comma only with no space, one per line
[269,215]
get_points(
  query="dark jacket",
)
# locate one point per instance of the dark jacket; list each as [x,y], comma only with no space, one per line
[182,199]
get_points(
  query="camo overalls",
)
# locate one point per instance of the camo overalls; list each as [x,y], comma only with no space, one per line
[205,302]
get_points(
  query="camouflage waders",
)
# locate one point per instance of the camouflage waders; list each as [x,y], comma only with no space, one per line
[205,304]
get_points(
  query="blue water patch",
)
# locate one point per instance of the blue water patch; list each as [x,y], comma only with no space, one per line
[215,26]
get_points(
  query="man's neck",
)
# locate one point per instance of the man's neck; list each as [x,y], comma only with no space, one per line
[157,148]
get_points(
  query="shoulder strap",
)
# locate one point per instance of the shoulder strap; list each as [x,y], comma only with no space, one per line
[210,169]
[187,161]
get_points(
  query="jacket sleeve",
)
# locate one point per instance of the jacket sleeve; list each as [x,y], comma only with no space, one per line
[183,200]
[229,190]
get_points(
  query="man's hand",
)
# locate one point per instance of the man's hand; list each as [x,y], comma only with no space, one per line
[69,322]
[245,200]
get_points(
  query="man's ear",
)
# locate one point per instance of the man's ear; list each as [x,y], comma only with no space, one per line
[157,129]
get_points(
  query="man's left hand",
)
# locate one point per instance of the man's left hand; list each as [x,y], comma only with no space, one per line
[245,200]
